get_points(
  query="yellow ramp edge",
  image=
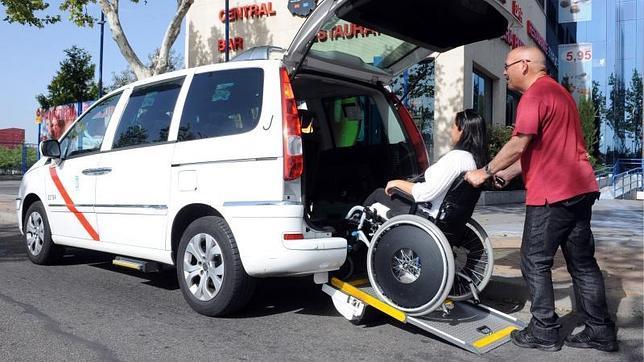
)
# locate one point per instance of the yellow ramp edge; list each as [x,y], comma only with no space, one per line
[493,337]
[369,299]
[125,264]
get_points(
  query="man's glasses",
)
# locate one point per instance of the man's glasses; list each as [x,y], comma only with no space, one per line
[506,66]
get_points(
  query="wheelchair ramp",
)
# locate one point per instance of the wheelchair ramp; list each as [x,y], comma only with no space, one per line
[473,327]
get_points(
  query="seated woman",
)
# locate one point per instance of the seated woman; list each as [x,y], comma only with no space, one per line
[469,152]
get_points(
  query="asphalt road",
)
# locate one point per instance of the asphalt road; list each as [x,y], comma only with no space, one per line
[87,309]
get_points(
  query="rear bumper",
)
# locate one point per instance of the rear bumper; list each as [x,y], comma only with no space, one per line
[259,233]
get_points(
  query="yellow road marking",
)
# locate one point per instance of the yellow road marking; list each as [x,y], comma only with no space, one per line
[369,299]
[493,337]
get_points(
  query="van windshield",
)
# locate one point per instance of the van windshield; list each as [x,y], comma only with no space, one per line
[372,47]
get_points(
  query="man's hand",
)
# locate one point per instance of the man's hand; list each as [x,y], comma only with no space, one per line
[476,177]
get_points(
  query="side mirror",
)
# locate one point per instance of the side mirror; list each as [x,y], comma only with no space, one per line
[50,148]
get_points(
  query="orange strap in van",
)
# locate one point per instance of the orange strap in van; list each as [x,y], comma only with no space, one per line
[70,204]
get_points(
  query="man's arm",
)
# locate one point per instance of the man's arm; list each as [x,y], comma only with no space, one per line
[508,174]
[509,154]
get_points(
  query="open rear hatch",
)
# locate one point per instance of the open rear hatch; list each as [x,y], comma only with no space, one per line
[375,40]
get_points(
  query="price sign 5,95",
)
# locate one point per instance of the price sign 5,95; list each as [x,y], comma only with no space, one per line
[580,55]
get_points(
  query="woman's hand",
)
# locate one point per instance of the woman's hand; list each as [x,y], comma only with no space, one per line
[406,186]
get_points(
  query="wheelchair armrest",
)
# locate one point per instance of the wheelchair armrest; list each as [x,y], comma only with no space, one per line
[396,192]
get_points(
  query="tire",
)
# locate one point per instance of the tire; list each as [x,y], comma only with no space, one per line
[473,257]
[226,287]
[38,244]
[410,264]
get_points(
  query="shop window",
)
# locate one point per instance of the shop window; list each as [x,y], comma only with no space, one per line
[511,102]
[482,95]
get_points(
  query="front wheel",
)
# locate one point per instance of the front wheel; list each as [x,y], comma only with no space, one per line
[209,268]
[40,248]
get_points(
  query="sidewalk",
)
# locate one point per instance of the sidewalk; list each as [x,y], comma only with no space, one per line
[619,238]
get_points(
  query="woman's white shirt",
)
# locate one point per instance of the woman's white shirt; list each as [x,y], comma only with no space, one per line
[439,177]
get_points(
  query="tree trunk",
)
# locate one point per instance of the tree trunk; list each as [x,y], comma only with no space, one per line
[110,9]
[161,64]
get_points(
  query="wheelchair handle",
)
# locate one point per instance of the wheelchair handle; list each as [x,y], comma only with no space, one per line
[396,192]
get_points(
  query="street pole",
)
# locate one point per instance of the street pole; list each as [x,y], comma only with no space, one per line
[100,59]
[227,29]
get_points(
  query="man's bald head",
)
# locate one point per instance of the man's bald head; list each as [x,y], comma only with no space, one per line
[530,65]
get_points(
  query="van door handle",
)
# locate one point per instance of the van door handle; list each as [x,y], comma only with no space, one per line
[97,171]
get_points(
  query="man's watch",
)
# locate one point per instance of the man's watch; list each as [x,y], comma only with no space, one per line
[487,170]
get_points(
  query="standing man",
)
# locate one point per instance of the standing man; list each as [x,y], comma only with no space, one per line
[547,146]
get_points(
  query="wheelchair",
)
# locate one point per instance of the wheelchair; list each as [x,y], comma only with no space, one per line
[418,264]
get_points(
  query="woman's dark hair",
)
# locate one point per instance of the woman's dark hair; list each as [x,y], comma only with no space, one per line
[474,136]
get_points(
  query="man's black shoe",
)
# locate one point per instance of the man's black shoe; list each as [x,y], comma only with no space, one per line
[583,339]
[525,339]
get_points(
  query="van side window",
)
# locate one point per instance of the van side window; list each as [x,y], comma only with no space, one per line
[222,103]
[356,120]
[147,116]
[86,135]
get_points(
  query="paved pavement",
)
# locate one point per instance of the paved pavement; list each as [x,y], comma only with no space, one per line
[87,309]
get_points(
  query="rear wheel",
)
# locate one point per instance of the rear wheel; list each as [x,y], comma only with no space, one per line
[474,260]
[40,248]
[209,268]
[410,264]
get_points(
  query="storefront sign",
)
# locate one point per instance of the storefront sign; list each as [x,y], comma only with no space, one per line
[575,68]
[512,39]
[248,12]
[541,42]
[345,31]
[575,10]
[236,43]
[517,11]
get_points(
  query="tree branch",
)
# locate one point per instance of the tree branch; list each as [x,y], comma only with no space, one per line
[111,13]
[161,64]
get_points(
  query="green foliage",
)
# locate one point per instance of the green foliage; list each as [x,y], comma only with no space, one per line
[27,12]
[74,81]
[633,109]
[11,158]
[587,114]
[497,137]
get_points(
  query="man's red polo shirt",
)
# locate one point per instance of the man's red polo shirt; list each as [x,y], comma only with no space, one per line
[555,165]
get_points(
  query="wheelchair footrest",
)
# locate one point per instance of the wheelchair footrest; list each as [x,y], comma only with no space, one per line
[473,327]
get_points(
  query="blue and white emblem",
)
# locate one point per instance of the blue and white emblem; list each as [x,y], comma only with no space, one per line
[301,7]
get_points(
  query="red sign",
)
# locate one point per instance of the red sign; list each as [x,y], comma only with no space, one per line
[236,43]
[517,11]
[512,39]
[345,31]
[541,42]
[248,12]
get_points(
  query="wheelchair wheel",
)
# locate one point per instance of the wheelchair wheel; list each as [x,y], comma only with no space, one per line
[473,258]
[410,264]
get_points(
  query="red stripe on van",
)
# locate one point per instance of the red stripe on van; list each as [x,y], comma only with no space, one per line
[70,204]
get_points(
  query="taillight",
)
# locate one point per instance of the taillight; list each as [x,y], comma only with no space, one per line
[291,129]
[415,137]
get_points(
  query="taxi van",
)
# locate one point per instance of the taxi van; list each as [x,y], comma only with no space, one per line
[246,169]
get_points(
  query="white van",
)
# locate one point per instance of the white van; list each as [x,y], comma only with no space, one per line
[246,169]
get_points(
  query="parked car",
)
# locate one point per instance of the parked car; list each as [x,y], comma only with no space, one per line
[246,169]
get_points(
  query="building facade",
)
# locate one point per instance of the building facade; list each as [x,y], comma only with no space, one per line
[466,77]
[12,137]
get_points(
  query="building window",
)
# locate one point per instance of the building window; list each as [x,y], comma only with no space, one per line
[482,95]
[511,102]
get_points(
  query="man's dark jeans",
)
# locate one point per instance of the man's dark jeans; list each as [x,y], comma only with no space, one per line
[565,224]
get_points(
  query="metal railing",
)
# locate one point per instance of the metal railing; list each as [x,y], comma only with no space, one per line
[627,177]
